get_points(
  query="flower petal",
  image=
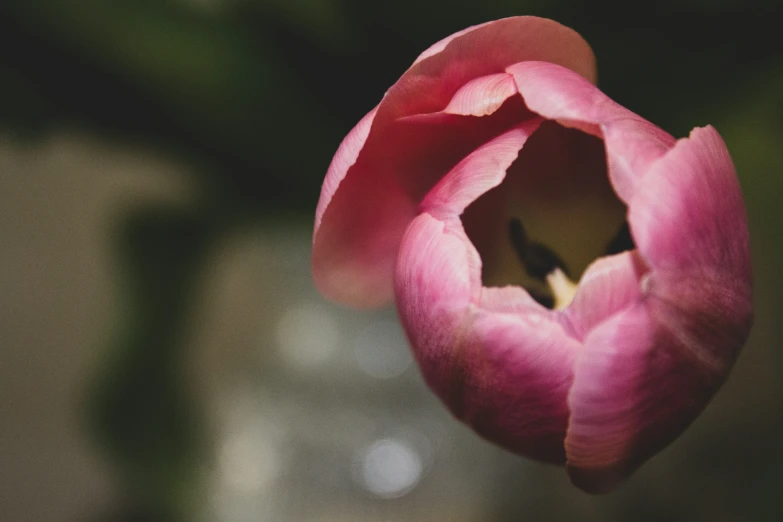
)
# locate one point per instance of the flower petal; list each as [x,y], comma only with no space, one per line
[509,299]
[437,279]
[608,286]
[690,226]
[632,143]
[506,375]
[650,370]
[359,223]
[516,374]
[355,245]
[690,214]
[480,171]
[633,393]
[354,249]
[343,159]
[488,48]
[482,96]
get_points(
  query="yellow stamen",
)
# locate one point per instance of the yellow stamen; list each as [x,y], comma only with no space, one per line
[563,289]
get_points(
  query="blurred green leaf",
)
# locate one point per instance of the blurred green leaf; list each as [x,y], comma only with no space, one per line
[144,414]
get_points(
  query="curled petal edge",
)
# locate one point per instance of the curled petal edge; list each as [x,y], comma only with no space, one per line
[427,87]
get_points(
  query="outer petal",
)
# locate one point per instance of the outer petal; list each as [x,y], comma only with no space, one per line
[690,215]
[649,371]
[356,244]
[506,375]
[633,392]
[369,198]
[690,226]
[343,159]
[484,50]
[632,143]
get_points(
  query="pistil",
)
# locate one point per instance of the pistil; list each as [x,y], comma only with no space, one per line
[563,289]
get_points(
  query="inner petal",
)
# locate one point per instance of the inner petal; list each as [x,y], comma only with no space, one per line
[554,213]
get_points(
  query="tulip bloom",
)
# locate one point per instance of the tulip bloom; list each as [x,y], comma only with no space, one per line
[574,282]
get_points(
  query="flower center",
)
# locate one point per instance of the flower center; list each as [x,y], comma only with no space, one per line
[554,214]
[543,264]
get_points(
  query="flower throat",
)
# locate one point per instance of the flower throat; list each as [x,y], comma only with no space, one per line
[554,213]
[541,263]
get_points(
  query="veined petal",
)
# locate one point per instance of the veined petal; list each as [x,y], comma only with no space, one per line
[689,213]
[506,375]
[517,371]
[632,143]
[690,226]
[633,392]
[368,199]
[343,159]
[354,249]
[487,48]
[637,386]
[355,245]
[482,96]
[608,286]
[438,278]
[480,171]
[646,373]
[509,299]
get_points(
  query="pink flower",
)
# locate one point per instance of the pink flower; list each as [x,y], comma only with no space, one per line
[492,176]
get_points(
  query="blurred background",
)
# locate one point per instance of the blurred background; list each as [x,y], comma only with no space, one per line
[163,353]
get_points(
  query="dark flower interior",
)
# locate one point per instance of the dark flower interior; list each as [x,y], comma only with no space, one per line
[555,209]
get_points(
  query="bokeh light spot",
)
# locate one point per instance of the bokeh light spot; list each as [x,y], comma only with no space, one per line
[390,469]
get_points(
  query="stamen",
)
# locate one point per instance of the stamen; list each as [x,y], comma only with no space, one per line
[542,263]
[518,238]
[621,242]
[562,287]
[538,259]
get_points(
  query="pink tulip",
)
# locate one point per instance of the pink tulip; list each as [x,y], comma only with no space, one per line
[490,178]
